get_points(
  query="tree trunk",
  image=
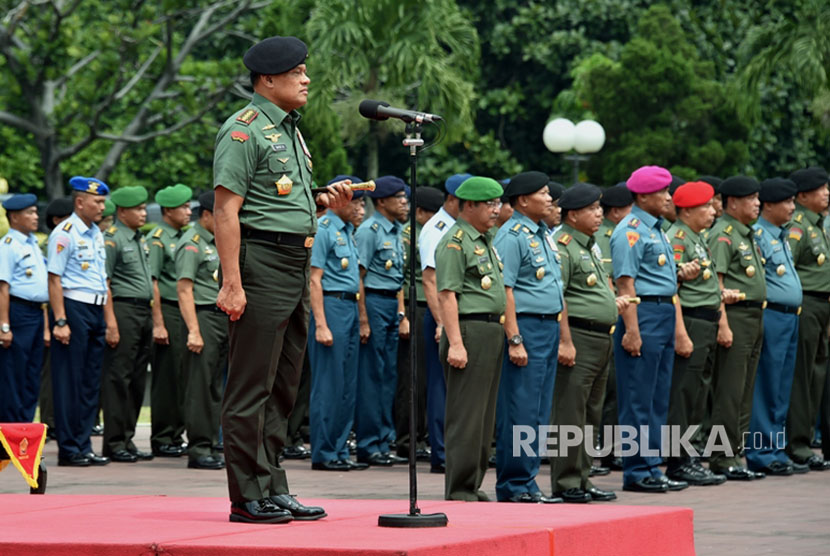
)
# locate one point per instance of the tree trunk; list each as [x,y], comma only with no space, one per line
[52,175]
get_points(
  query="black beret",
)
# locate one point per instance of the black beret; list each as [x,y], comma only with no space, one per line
[617,196]
[739,186]
[430,199]
[775,190]
[526,183]
[556,189]
[675,183]
[808,179]
[714,181]
[61,207]
[206,200]
[579,195]
[275,55]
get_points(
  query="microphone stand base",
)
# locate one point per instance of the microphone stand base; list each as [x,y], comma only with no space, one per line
[411,521]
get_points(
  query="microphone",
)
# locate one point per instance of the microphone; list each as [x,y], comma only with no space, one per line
[379,110]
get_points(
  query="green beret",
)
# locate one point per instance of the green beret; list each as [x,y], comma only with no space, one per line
[478,188]
[109,208]
[129,196]
[174,196]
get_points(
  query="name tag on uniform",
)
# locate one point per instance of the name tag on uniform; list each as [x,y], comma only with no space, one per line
[279,147]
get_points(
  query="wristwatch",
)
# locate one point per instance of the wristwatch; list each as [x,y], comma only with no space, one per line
[4,328]
[60,322]
[401,315]
[516,340]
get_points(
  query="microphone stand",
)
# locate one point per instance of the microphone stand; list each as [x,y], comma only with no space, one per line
[414,518]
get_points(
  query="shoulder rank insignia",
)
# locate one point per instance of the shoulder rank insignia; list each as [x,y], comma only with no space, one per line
[195,238]
[609,232]
[458,235]
[67,227]
[759,232]
[515,229]
[634,222]
[728,229]
[239,136]
[111,230]
[267,127]
[799,217]
[8,239]
[441,225]
[680,234]
[632,237]
[247,116]
[564,239]
[158,233]
[407,229]
[325,222]
[374,227]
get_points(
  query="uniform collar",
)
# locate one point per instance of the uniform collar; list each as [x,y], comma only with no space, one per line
[468,228]
[337,222]
[385,223]
[79,224]
[646,218]
[685,227]
[274,112]
[169,229]
[810,216]
[20,236]
[737,225]
[775,231]
[583,239]
[134,234]
[202,232]
[530,224]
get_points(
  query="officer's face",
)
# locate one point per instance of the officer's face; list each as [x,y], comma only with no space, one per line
[700,217]
[482,215]
[396,206]
[779,213]
[179,216]
[24,220]
[815,200]
[536,206]
[587,219]
[288,90]
[133,217]
[90,207]
[359,211]
[745,209]
[717,203]
[657,203]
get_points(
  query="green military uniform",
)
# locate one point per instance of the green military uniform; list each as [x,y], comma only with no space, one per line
[603,241]
[125,365]
[579,390]
[467,264]
[168,379]
[197,260]
[811,251]
[738,258]
[700,301]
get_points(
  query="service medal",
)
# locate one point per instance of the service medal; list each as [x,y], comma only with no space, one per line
[750,271]
[707,274]
[781,270]
[486,283]
[388,264]
[540,273]
[344,263]
[591,279]
[661,260]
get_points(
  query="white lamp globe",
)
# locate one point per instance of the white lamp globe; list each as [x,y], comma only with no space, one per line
[589,137]
[559,135]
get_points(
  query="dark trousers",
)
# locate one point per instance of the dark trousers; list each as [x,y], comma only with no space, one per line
[76,377]
[377,376]
[524,399]
[436,391]
[771,397]
[402,387]
[643,384]
[125,375]
[266,350]
[298,420]
[20,364]
[333,381]
[169,381]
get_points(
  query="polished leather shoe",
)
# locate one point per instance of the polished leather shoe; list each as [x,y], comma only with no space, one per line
[673,485]
[523,498]
[376,459]
[220,447]
[395,459]
[439,468]
[695,474]
[355,465]
[816,463]
[168,451]
[777,468]
[799,468]
[259,511]
[297,510]
[123,456]
[333,465]
[423,454]
[142,456]
[573,496]
[206,462]
[540,498]
[97,430]
[75,460]
[296,452]
[599,495]
[491,463]
[95,459]
[613,463]
[649,484]
[599,471]
[737,473]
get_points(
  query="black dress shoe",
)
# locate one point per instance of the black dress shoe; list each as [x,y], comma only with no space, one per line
[259,511]
[649,484]
[599,495]
[333,465]
[75,460]
[395,459]
[168,451]
[816,463]
[297,510]
[123,456]
[778,468]
[573,496]
[423,454]
[542,499]
[491,463]
[97,430]
[142,456]
[355,465]
[695,474]
[599,471]
[799,468]
[206,462]
[439,468]
[95,459]
[377,459]
[737,473]
[523,498]
[673,485]
[296,452]
[219,447]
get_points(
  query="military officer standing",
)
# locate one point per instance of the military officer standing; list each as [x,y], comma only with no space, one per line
[334,337]
[585,349]
[206,326]
[265,223]
[644,337]
[23,291]
[737,261]
[811,249]
[129,324]
[77,294]
[774,378]
[697,325]
[534,302]
[168,378]
[381,268]
[471,292]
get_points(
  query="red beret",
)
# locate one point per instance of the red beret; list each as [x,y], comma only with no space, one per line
[693,194]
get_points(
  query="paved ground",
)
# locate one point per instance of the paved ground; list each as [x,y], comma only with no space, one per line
[778,515]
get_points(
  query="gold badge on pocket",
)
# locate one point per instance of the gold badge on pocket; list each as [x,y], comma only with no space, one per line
[486,283]
[344,263]
[540,273]
[591,280]
[84,266]
[750,271]
[821,259]
[284,185]
[707,274]
[781,270]
[661,260]
[388,264]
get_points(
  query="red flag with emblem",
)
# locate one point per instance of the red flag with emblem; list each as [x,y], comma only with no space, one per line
[24,444]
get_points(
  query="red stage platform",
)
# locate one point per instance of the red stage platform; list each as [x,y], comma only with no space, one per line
[160,525]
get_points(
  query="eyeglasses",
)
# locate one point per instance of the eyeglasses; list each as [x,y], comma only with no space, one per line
[493,204]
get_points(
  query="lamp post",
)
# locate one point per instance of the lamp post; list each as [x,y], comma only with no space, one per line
[585,138]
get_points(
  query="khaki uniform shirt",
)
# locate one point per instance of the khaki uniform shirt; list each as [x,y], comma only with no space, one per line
[128,262]
[197,260]
[703,291]
[163,239]
[584,278]
[738,258]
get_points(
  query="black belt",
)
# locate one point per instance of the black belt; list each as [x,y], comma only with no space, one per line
[483,317]
[749,304]
[279,238]
[590,325]
[543,316]
[342,295]
[209,307]
[781,308]
[421,304]
[657,299]
[171,302]
[384,293]
[26,302]
[702,313]
[134,301]
[821,295]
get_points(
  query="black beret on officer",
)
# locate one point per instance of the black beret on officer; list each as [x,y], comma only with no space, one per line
[739,186]
[676,182]
[63,206]
[556,189]
[714,181]
[775,190]
[579,196]
[430,199]
[617,196]
[275,55]
[206,200]
[526,183]
[808,179]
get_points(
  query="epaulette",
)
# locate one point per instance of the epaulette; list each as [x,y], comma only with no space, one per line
[325,222]
[799,217]
[680,234]
[609,232]
[634,222]
[515,229]
[8,239]
[759,232]
[158,233]
[111,230]
[247,116]
[441,225]
[67,227]
[564,239]
[374,227]
[195,238]
[458,235]
[407,229]
[728,229]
